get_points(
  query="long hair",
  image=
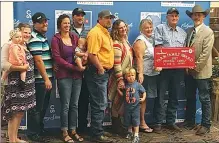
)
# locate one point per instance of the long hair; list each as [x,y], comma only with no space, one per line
[115,30]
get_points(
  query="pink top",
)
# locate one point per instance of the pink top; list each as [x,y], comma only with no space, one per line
[17,55]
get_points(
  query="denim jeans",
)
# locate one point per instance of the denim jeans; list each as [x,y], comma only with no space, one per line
[204,97]
[69,91]
[97,86]
[175,78]
[36,115]
[83,107]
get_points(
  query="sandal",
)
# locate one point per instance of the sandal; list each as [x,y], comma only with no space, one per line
[70,140]
[75,136]
[146,130]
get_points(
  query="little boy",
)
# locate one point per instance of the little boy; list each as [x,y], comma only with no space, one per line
[134,94]
[81,54]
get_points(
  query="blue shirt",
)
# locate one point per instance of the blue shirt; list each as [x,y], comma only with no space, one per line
[168,37]
[38,45]
[132,95]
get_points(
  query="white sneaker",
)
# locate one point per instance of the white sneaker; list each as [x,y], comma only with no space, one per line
[136,139]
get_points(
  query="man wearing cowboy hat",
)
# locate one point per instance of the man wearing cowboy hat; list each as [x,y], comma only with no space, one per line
[169,35]
[201,38]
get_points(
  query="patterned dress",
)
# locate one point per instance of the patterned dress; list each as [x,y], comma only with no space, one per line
[15,99]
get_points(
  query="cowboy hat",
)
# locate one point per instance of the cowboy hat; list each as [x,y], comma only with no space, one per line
[197,8]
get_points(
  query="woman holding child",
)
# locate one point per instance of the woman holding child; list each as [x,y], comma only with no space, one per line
[69,77]
[17,98]
[123,59]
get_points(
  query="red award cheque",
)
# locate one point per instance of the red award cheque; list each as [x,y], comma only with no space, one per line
[174,57]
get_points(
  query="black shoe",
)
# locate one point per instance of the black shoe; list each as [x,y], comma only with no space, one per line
[101,139]
[188,125]
[174,127]
[202,131]
[38,138]
[157,129]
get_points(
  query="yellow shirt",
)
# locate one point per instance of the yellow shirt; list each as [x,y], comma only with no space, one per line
[99,42]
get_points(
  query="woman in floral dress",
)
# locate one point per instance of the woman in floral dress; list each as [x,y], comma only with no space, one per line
[15,99]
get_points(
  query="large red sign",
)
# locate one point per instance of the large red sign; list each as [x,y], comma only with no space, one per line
[180,57]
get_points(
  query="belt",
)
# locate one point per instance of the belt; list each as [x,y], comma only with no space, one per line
[90,66]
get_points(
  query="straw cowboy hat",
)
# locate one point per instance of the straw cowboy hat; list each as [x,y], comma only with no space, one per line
[197,8]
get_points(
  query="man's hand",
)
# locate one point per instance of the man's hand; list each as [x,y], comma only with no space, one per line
[55,68]
[101,71]
[48,84]
[140,78]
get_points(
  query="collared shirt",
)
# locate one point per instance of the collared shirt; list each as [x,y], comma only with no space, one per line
[83,33]
[169,37]
[38,45]
[198,28]
[100,43]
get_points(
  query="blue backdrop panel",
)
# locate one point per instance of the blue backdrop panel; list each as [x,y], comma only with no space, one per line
[128,11]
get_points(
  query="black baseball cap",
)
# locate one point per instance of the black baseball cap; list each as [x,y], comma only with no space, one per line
[38,17]
[171,10]
[78,11]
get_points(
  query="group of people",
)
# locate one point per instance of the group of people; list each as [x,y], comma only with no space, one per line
[94,66]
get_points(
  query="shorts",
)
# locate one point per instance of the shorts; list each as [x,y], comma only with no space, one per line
[132,118]
[150,84]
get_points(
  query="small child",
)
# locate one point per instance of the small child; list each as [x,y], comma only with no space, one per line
[16,55]
[134,94]
[81,53]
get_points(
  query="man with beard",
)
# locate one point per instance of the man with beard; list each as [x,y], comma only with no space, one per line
[201,37]
[79,29]
[169,35]
[101,60]
[39,48]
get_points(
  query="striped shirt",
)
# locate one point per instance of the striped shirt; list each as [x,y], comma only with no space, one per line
[38,45]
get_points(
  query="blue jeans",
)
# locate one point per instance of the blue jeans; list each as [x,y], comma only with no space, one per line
[97,86]
[69,91]
[176,78]
[36,115]
[204,97]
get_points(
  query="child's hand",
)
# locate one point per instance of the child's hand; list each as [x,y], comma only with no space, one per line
[86,54]
[142,99]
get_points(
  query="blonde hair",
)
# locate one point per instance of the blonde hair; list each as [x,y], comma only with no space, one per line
[13,33]
[129,70]
[149,21]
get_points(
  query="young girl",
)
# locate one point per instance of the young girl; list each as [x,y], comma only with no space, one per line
[16,55]
[134,94]
[81,54]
